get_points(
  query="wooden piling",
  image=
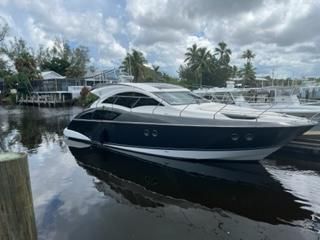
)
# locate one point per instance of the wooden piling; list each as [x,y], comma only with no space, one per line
[17,221]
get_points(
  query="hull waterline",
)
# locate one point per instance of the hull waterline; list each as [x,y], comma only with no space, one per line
[238,155]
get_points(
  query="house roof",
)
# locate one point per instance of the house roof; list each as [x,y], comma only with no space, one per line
[47,75]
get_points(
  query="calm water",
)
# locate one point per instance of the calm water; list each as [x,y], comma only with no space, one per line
[93,194]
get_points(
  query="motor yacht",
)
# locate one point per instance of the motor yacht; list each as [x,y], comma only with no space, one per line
[170,121]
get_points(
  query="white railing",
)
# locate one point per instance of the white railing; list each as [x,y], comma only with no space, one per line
[214,115]
[255,115]
[263,112]
[316,117]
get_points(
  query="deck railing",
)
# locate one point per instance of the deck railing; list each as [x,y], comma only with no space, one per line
[255,115]
[269,105]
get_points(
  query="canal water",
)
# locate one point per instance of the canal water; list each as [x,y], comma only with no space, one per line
[88,193]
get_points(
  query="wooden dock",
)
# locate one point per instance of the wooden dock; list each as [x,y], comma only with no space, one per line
[46,99]
[305,147]
[17,219]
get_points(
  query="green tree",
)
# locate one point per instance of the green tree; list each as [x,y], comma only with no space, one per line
[19,81]
[206,68]
[202,63]
[23,59]
[191,54]
[248,75]
[168,79]
[4,29]
[133,64]
[158,74]
[25,65]
[248,55]
[78,62]
[4,70]
[58,65]
[234,71]
[224,53]
[198,60]
[223,69]
[64,60]
[187,76]
[156,68]
[248,72]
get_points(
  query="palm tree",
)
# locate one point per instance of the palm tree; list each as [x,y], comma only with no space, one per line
[234,71]
[201,63]
[155,68]
[134,64]
[156,71]
[248,54]
[248,71]
[4,29]
[223,52]
[198,60]
[191,54]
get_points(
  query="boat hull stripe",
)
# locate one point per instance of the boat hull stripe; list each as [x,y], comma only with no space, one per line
[253,154]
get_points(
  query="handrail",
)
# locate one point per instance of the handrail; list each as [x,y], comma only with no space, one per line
[309,101]
[314,116]
[214,115]
[114,101]
[183,109]
[135,103]
[222,98]
[266,110]
[157,106]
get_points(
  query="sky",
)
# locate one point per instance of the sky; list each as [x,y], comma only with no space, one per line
[284,34]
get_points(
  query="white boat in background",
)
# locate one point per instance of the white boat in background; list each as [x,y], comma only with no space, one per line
[309,94]
[280,100]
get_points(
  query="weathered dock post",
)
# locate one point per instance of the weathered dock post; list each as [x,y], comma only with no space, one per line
[17,221]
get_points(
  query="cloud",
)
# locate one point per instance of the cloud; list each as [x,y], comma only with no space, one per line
[47,19]
[38,35]
[283,33]
[112,25]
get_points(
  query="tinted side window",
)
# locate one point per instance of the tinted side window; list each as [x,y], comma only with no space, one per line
[86,116]
[125,101]
[132,99]
[104,115]
[109,100]
[147,102]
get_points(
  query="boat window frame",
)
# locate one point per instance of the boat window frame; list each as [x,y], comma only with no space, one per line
[130,94]
[92,113]
[116,114]
[159,95]
[81,115]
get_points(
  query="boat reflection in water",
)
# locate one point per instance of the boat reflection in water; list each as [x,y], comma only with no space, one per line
[246,189]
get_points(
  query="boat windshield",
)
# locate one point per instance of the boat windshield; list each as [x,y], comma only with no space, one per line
[180,98]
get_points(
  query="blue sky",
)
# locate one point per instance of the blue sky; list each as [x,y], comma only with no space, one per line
[284,34]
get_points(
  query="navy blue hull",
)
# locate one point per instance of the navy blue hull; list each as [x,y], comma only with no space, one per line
[185,137]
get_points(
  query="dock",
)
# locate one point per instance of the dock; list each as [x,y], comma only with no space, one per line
[49,99]
[306,145]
